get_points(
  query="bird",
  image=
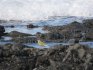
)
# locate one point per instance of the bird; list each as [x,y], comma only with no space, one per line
[41,43]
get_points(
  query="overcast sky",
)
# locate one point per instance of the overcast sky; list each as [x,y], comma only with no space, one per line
[41,9]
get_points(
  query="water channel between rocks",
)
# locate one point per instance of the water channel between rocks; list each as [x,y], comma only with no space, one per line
[33,31]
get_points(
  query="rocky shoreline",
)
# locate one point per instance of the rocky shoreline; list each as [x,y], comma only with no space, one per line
[68,57]
[60,57]
[75,30]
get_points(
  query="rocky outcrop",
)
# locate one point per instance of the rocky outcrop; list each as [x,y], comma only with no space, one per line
[27,39]
[31,26]
[88,23]
[74,30]
[89,36]
[18,34]
[64,33]
[53,37]
[2,30]
[19,57]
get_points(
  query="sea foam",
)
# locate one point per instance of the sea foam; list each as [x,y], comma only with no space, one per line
[43,9]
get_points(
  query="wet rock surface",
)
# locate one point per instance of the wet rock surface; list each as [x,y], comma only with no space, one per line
[75,30]
[61,57]
[2,30]
[31,26]
[68,57]
[18,34]
[19,37]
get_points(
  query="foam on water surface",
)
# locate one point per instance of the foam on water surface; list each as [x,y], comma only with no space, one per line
[43,9]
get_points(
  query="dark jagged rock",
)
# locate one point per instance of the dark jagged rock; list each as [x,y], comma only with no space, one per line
[18,34]
[2,30]
[74,57]
[88,23]
[74,30]
[60,57]
[89,36]
[31,26]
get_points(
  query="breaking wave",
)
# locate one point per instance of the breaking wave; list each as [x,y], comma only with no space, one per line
[43,9]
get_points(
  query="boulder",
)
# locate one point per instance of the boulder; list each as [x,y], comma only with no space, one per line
[54,36]
[77,50]
[89,36]
[66,32]
[31,26]
[73,41]
[2,30]
[88,23]
[18,34]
